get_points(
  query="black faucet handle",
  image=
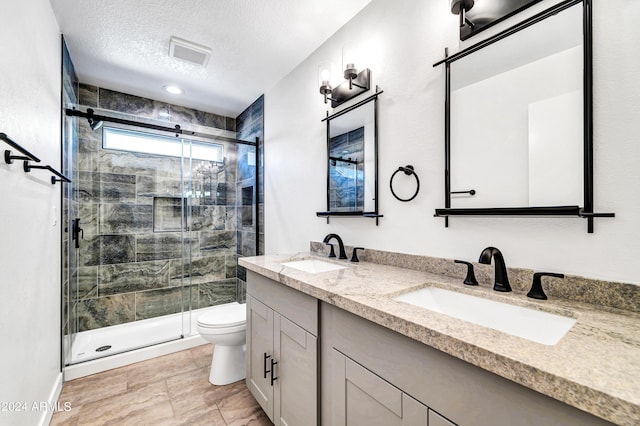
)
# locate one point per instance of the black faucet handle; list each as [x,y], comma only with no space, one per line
[470,279]
[332,253]
[536,291]
[354,254]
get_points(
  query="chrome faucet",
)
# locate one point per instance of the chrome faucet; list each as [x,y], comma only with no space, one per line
[501,280]
[328,238]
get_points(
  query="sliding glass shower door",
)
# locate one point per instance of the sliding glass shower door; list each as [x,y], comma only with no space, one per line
[129,241]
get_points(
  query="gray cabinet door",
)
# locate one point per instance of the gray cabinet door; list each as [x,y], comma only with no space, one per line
[260,353]
[361,398]
[436,419]
[295,397]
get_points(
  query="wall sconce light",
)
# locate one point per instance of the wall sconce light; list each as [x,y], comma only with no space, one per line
[461,7]
[349,59]
[355,84]
[324,79]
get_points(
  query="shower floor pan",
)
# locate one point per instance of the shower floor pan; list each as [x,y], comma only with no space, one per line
[105,348]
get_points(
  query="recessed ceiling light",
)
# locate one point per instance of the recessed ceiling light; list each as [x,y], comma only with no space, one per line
[175,90]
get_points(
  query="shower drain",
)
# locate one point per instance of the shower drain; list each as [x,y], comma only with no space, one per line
[103,348]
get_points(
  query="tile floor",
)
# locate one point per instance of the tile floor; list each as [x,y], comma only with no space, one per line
[169,390]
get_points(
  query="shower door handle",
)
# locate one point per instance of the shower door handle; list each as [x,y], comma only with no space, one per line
[77,232]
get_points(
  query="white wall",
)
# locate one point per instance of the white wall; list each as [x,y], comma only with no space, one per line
[29,207]
[402,40]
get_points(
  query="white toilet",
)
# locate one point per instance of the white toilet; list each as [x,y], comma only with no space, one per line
[226,327]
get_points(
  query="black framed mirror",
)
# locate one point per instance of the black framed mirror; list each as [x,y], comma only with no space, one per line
[352,161]
[519,121]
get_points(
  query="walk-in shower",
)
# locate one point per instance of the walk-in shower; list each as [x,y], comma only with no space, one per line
[156,214]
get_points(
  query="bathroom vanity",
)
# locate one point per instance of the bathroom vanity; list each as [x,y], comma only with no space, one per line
[345,352]
[282,333]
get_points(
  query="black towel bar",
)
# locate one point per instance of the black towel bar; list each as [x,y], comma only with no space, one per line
[27,168]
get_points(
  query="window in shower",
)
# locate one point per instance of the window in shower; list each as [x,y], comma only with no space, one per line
[149,143]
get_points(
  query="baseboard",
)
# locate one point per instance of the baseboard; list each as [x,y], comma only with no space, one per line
[52,401]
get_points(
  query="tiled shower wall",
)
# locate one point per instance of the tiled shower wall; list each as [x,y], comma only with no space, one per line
[249,126]
[129,270]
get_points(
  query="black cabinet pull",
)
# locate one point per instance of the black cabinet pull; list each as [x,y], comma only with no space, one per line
[264,364]
[273,378]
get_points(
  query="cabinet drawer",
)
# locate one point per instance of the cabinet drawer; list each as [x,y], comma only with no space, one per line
[298,307]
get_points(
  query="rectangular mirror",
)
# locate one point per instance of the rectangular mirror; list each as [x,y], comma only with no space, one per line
[517,118]
[351,161]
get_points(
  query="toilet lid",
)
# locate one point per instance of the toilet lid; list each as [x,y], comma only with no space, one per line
[224,316]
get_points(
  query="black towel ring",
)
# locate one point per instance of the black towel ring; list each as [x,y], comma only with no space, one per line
[408,170]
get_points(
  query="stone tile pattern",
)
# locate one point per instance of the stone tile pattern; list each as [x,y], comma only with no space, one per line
[168,390]
[135,233]
[572,288]
[249,126]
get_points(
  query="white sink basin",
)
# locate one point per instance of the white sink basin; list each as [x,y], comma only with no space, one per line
[537,326]
[313,266]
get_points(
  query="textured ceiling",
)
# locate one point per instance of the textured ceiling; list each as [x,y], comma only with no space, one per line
[124,44]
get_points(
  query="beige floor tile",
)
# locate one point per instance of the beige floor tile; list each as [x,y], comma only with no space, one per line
[202,355]
[144,405]
[172,390]
[159,368]
[260,420]
[94,388]
[66,418]
[241,409]
[192,390]
[204,417]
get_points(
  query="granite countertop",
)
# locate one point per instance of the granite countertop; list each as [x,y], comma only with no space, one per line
[595,366]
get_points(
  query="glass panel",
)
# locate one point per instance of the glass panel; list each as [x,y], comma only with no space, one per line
[162,234]
[131,276]
[70,275]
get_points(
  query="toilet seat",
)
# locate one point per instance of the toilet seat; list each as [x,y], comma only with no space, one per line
[233,314]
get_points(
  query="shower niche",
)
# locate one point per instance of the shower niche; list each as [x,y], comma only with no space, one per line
[169,214]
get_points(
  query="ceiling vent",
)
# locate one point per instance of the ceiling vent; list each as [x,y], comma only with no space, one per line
[188,51]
